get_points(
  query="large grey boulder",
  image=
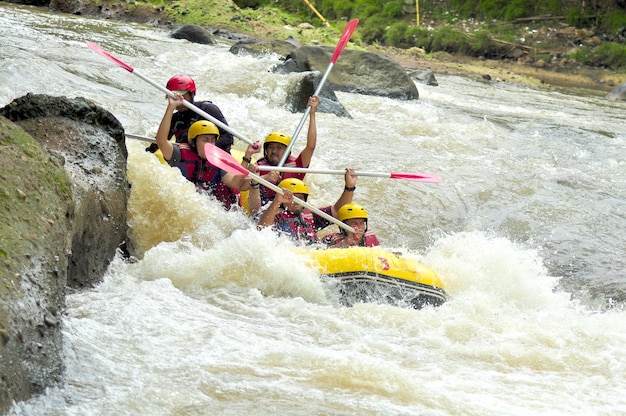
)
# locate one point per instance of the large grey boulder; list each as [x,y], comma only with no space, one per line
[359,72]
[63,200]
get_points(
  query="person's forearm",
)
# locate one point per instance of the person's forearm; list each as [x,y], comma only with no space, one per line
[162,136]
[269,215]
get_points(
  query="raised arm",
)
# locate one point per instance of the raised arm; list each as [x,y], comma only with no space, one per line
[246,160]
[162,136]
[311,139]
[348,191]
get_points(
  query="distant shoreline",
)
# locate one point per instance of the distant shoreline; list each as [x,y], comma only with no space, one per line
[596,81]
[550,77]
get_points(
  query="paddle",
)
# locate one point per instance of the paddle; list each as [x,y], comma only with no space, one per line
[416,177]
[138,137]
[97,49]
[343,41]
[221,159]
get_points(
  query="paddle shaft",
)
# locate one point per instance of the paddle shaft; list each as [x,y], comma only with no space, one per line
[402,175]
[138,137]
[343,41]
[302,203]
[304,117]
[329,171]
[169,93]
[195,109]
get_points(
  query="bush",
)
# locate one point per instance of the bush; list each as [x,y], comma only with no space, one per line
[417,36]
[517,9]
[614,22]
[373,29]
[449,40]
[610,55]
[480,44]
[343,9]
[393,9]
[395,35]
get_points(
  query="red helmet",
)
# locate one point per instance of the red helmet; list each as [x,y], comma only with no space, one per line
[181,83]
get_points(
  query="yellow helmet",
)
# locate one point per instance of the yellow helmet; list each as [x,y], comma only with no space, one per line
[350,211]
[202,127]
[276,137]
[296,186]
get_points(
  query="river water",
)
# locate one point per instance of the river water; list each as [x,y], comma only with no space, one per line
[526,232]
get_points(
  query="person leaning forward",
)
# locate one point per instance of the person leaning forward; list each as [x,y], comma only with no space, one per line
[191,160]
[183,117]
[287,217]
[274,148]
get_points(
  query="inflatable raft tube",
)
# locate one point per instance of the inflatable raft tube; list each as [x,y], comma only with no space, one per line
[372,274]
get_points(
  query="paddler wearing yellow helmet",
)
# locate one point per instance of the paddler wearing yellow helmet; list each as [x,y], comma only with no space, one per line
[300,224]
[355,216]
[274,147]
[191,159]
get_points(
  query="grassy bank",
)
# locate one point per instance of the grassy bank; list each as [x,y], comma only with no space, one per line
[545,66]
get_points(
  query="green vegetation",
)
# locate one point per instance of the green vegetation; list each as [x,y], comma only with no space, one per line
[590,32]
[479,28]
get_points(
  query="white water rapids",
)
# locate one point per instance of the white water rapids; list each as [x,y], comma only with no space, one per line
[526,232]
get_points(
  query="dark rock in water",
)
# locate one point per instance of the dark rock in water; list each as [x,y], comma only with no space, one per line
[258,48]
[299,95]
[194,33]
[427,77]
[64,195]
[357,72]
[232,36]
[618,93]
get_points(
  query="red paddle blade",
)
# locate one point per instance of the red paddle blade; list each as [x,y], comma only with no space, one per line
[345,37]
[97,49]
[223,160]
[416,177]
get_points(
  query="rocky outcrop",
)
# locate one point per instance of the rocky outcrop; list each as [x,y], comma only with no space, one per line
[63,195]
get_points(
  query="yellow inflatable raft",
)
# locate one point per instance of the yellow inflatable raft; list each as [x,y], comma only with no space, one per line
[371,274]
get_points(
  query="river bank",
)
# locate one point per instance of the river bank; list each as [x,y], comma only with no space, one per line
[596,81]
[268,25]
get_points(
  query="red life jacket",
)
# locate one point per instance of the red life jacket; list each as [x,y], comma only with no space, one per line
[302,228]
[205,176]
[292,162]
[299,228]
